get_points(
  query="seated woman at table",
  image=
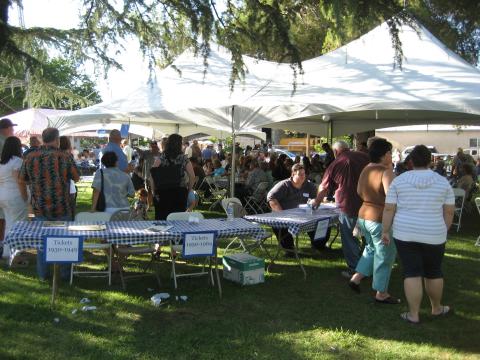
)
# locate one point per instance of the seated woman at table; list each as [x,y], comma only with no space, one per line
[466,180]
[117,185]
[218,170]
[13,194]
[208,167]
[172,179]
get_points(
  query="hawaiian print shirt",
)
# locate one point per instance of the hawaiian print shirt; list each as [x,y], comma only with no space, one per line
[49,171]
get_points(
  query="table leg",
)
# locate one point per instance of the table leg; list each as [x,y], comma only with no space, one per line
[295,250]
[56,273]
[218,276]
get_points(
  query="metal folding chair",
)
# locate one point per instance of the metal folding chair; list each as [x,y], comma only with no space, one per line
[123,252]
[257,201]
[75,269]
[217,193]
[176,251]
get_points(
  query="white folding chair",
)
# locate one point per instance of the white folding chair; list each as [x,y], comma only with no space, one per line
[257,201]
[459,204]
[175,250]
[239,212]
[477,203]
[74,269]
[123,252]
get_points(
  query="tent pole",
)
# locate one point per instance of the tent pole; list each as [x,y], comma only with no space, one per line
[330,132]
[232,167]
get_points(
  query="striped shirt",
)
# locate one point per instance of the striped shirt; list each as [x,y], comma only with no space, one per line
[419,196]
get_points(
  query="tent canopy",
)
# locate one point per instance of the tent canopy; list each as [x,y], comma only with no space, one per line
[356,87]
[32,121]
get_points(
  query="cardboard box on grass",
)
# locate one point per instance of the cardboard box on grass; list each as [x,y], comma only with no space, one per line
[244,269]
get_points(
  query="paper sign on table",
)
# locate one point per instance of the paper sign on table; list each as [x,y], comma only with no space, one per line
[321,231]
[199,244]
[63,249]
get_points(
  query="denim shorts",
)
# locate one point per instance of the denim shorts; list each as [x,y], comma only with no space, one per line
[421,260]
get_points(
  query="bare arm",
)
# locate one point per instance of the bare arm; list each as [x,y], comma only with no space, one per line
[387,179]
[387,220]
[275,205]
[322,192]
[448,211]
[95,195]
[22,186]
[191,175]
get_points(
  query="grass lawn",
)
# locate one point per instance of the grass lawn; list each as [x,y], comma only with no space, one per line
[284,318]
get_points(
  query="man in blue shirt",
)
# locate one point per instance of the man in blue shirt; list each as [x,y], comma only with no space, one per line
[114,141]
[208,152]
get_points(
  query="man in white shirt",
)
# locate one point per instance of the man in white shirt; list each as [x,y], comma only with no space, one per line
[127,150]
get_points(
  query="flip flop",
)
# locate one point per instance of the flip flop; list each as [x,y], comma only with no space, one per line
[388,300]
[405,317]
[446,310]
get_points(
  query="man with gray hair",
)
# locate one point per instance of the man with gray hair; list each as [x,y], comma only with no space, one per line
[114,142]
[342,175]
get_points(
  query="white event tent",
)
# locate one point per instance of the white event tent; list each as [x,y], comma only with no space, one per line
[32,121]
[354,88]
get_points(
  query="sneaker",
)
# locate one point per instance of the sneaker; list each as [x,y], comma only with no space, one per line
[347,274]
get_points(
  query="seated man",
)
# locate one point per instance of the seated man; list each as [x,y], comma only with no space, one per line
[288,194]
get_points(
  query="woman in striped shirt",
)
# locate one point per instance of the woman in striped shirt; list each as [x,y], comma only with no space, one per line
[419,208]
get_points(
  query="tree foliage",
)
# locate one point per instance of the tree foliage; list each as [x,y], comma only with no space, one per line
[282,30]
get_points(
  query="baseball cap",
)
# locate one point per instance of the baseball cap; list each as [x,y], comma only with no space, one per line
[6,123]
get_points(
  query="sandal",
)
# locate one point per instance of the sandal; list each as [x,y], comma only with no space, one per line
[405,317]
[389,300]
[446,310]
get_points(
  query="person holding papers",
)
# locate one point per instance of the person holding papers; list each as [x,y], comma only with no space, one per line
[377,258]
[288,194]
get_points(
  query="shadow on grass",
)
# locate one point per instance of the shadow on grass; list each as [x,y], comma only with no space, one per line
[287,317]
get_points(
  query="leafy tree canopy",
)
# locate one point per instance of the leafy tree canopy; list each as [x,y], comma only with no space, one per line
[281,30]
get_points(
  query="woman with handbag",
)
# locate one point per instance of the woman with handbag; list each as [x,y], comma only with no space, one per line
[111,186]
[172,179]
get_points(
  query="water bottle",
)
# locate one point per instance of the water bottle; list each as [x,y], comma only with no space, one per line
[230,215]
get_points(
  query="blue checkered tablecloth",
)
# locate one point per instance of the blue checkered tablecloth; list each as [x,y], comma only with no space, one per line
[29,234]
[295,220]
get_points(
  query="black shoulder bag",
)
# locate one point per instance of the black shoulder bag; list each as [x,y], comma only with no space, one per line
[101,204]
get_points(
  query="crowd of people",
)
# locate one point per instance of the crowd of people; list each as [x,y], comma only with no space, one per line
[403,208]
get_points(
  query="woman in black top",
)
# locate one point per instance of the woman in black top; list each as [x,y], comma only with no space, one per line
[172,179]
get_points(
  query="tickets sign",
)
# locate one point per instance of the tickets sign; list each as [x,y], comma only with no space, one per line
[199,244]
[63,249]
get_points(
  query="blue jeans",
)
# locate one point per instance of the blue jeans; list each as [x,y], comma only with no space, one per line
[42,267]
[377,258]
[350,245]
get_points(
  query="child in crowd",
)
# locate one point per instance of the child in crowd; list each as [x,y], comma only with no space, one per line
[141,204]
[192,200]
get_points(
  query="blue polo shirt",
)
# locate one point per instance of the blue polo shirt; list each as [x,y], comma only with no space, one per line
[122,158]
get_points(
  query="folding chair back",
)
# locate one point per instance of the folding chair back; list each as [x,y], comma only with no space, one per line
[238,209]
[74,269]
[122,215]
[177,249]
[459,204]
[123,252]
[257,201]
